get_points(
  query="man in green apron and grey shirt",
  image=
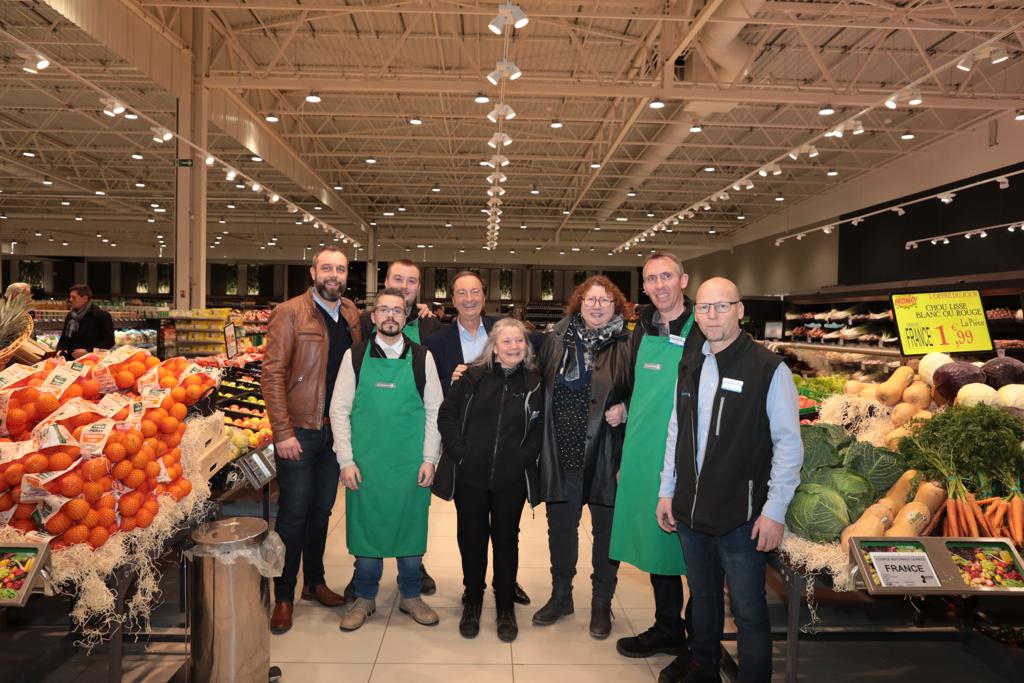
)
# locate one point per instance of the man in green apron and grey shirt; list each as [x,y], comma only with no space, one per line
[384,416]
[664,332]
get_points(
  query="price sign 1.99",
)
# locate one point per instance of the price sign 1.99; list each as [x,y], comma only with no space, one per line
[949,322]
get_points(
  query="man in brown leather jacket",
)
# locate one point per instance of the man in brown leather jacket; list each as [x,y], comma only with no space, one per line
[306,339]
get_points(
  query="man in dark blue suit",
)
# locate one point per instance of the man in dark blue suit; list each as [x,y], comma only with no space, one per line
[464,339]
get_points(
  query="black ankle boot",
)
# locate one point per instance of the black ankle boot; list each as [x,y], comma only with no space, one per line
[508,629]
[600,620]
[469,625]
[556,607]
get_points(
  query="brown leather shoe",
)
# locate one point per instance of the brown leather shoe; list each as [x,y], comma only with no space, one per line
[281,620]
[324,595]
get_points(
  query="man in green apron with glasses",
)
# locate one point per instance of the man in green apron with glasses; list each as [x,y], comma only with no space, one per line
[384,417]
[664,332]
[404,275]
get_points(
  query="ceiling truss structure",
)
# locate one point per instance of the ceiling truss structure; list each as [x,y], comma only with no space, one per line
[595,68]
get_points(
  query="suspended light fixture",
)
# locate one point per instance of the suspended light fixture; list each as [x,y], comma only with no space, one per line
[556,124]
[161,135]
[501,138]
[826,110]
[210,160]
[656,103]
[46,180]
[890,102]
[415,121]
[313,97]
[631,193]
[137,156]
[695,127]
[501,111]
[111,107]
[271,118]
[595,164]
[857,127]
[997,55]
[140,183]
[534,190]
[481,98]
[230,175]
[504,69]
[812,151]
[907,135]
[831,172]
[34,62]
[914,99]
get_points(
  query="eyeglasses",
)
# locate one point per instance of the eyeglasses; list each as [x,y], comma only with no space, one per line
[720,307]
[598,301]
[391,310]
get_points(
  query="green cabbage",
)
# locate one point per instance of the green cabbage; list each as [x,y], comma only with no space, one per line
[855,490]
[836,434]
[879,466]
[817,513]
[819,449]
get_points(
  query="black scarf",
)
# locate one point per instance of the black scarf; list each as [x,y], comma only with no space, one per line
[76,319]
[580,340]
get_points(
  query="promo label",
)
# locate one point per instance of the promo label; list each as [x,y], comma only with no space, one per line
[946,322]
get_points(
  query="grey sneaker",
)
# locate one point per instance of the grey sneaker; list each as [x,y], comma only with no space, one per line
[420,611]
[356,615]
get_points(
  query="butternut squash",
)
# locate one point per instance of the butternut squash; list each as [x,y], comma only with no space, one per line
[890,392]
[892,439]
[882,512]
[867,525]
[923,415]
[911,520]
[893,506]
[902,413]
[918,394]
[853,387]
[932,495]
[868,392]
[900,491]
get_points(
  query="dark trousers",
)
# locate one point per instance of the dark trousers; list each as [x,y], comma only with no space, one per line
[668,605]
[734,558]
[484,515]
[564,542]
[308,488]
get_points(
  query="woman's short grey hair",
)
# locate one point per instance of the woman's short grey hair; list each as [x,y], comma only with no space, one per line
[487,356]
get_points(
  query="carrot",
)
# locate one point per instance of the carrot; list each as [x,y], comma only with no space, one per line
[1017,519]
[979,517]
[945,525]
[988,501]
[971,524]
[996,522]
[935,521]
[951,518]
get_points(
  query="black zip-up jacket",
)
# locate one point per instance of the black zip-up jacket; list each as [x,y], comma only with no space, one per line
[490,431]
[732,486]
[95,331]
[610,384]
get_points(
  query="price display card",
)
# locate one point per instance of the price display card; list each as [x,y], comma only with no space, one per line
[947,322]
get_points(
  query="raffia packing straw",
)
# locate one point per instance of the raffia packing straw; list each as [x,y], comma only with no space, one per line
[62,377]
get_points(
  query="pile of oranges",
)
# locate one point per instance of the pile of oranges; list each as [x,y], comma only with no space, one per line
[118,489]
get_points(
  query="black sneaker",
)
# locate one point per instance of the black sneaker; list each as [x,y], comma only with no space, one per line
[508,629]
[427,585]
[651,642]
[469,625]
[684,669]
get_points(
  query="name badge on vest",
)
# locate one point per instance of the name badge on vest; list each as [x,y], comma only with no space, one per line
[677,340]
[730,384]
[386,385]
[652,366]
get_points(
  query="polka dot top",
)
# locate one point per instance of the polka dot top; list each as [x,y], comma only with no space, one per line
[570,410]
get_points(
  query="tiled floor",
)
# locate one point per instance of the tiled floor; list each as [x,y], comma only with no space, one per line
[391,647]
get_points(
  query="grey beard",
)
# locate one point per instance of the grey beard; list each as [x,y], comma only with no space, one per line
[321,290]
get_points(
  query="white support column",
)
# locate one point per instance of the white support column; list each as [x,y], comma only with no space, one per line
[190,190]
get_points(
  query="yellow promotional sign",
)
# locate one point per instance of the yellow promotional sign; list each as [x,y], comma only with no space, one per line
[948,322]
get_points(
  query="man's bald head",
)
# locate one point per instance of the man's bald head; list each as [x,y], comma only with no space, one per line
[720,327]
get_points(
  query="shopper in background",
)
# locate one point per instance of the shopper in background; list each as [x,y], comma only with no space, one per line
[586,368]
[404,275]
[16,289]
[440,313]
[463,341]
[735,431]
[384,415]
[491,432]
[86,326]
[306,339]
[664,334]
[420,323]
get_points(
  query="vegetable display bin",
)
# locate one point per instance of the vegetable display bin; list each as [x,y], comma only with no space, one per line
[229,600]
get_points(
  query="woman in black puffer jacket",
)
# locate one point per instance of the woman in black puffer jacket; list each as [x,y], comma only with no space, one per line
[490,433]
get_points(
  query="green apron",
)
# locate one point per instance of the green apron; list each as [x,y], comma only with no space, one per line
[636,536]
[387,516]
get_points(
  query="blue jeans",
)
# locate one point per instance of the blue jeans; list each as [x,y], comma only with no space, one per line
[369,570]
[735,558]
[308,488]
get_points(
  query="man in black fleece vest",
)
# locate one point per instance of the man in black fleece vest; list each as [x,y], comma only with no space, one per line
[732,462]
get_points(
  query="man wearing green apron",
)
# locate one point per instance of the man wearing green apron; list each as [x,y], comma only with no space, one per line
[384,418]
[420,323]
[664,333]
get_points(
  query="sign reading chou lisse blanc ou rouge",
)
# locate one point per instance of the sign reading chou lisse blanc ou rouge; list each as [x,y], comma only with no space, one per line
[948,322]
